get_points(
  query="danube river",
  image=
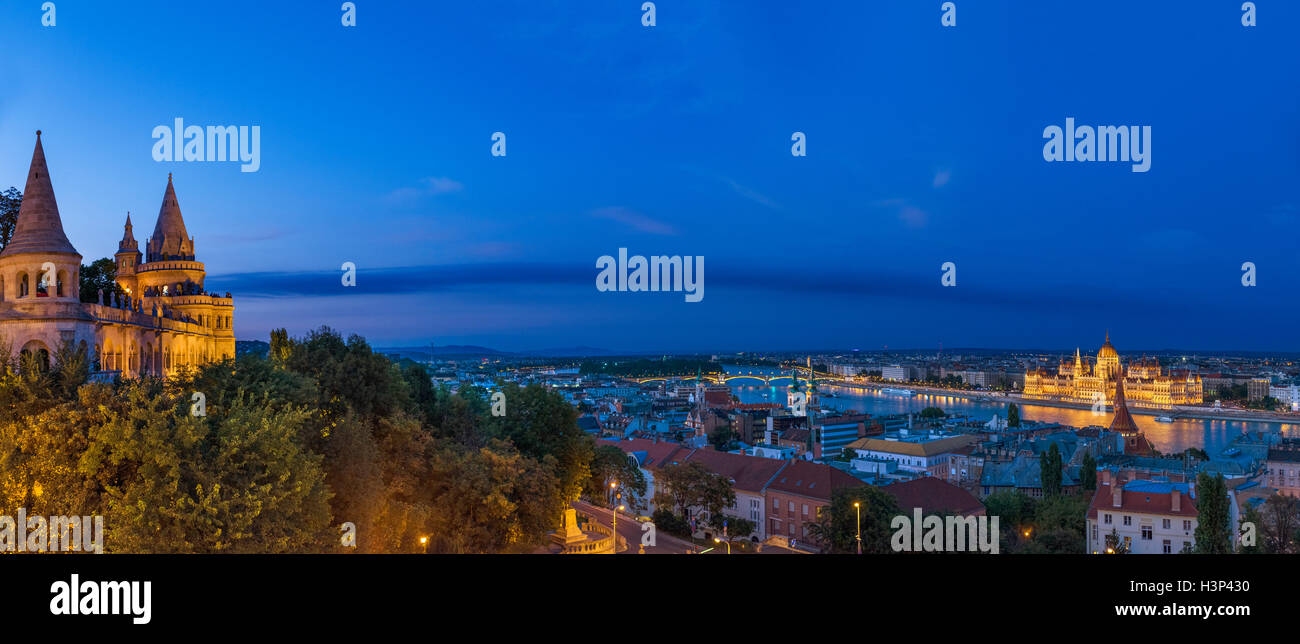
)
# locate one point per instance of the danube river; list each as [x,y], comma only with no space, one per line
[1169,438]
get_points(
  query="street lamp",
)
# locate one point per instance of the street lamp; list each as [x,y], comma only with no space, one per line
[618,496]
[857,507]
[728,542]
[424,541]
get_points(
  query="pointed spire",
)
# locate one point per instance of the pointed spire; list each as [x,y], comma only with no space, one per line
[128,243]
[170,240]
[1123,421]
[39,228]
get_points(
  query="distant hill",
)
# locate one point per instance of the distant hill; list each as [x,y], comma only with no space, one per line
[474,351]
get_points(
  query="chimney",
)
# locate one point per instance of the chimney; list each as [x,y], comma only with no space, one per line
[1176,498]
[1117,494]
[1105,476]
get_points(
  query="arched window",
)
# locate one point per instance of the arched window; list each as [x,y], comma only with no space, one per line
[42,284]
[58,289]
[23,285]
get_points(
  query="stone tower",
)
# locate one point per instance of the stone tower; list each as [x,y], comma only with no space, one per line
[40,272]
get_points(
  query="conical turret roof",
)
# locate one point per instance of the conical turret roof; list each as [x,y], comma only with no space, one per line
[169,236]
[39,228]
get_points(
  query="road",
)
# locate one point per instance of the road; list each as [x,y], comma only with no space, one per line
[665,544]
[629,528]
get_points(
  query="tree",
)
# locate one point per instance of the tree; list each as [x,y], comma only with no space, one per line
[1115,545]
[100,275]
[10,200]
[736,526]
[491,499]
[1279,524]
[932,413]
[166,481]
[723,438]
[836,527]
[1050,467]
[1016,512]
[610,464]
[1058,526]
[1013,415]
[692,485]
[1212,529]
[1088,472]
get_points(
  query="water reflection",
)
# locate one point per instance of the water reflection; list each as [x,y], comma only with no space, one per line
[1210,435]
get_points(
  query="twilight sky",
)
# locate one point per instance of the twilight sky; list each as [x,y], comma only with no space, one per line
[925,145]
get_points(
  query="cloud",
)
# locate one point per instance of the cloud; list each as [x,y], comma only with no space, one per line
[634,220]
[751,194]
[909,288]
[909,214]
[941,178]
[913,216]
[427,187]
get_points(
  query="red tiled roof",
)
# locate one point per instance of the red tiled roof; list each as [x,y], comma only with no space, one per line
[750,473]
[934,495]
[1139,502]
[658,453]
[813,480]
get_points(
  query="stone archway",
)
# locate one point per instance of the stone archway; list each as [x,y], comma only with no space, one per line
[36,348]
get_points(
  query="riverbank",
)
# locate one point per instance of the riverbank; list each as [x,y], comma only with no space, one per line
[1181,411]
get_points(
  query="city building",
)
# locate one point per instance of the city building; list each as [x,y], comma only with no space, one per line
[934,496]
[1289,395]
[1282,467]
[796,496]
[922,453]
[1088,380]
[164,321]
[1144,516]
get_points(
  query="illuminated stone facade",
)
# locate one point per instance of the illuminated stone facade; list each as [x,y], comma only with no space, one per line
[1089,380]
[165,322]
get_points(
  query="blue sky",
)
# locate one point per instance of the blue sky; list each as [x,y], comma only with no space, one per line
[924,146]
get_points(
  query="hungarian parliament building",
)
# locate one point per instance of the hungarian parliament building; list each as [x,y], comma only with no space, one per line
[1146,384]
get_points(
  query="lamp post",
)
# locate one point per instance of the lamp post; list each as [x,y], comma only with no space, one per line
[424,542]
[613,485]
[728,542]
[857,507]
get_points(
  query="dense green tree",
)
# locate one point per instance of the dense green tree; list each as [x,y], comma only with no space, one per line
[836,527]
[1212,529]
[541,423]
[10,200]
[1278,528]
[1051,468]
[99,275]
[1016,515]
[491,499]
[691,485]
[723,438]
[932,413]
[1088,472]
[1013,415]
[1058,526]
[610,464]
